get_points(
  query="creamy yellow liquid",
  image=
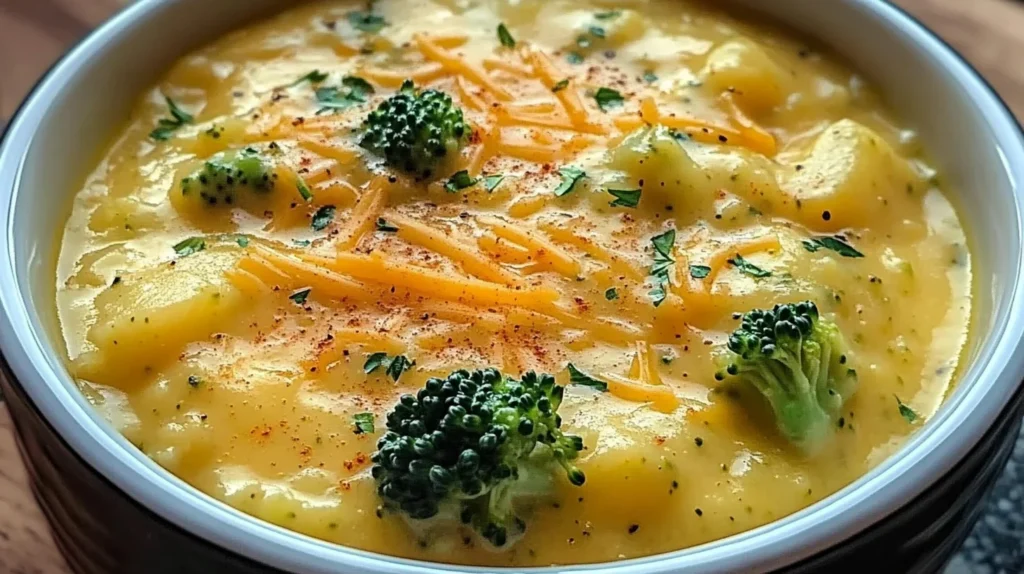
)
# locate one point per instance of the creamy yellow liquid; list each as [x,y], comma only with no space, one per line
[250,397]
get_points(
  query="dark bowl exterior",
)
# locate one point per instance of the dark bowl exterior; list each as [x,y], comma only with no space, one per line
[100,530]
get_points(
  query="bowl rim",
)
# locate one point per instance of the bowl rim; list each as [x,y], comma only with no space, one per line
[969,412]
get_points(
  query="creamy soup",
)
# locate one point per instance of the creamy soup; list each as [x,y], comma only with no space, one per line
[315,215]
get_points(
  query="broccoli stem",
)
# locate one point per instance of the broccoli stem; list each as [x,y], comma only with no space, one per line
[797,361]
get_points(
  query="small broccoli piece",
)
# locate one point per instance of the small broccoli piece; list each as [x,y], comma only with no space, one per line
[471,446]
[413,131]
[798,360]
[220,180]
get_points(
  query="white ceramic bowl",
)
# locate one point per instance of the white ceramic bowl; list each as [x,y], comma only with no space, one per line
[77,108]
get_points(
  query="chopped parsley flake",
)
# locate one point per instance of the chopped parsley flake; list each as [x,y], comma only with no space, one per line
[609,15]
[383,225]
[353,92]
[165,127]
[314,77]
[663,262]
[322,218]
[189,246]
[578,377]
[366,21]
[491,182]
[611,294]
[304,191]
[570,176]
[561,85]
[834,243]
[505,37]
[363,423]
[748,268]
[458,181]
[625,197]
[906,412]
[699,271]
[393,366]
[608,98]
[300,296]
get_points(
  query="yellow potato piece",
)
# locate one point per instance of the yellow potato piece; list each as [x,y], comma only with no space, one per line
[744,68]
[144,319]
[653,159]
[850,177]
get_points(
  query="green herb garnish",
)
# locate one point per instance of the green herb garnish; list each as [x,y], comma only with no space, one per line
[304,191]
[366,21]
[561,85]
[834,243]
[314,77]
[322,218]
[608,98]
[383,225]
[625,197]
[747,267]
[363,423]
[574,58]
[578,377]
[491,182]
[300,296]
[189,246]
[663,262]
[393,366]
[505,37]
[570,176]
[458,181]
[609,15]
[611,294]
[650,77]
[165,127]
[906,412]
[353,92]
[699,271]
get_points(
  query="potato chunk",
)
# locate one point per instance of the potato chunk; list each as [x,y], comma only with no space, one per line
[743,67]
[621,453]
[850,177]
[145,318]
[652,158]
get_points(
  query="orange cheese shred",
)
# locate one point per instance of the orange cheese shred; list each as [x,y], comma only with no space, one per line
[513,68]
[363,215]
[472,72]
[467,96]
[550,76]
[722,256]
[393,78]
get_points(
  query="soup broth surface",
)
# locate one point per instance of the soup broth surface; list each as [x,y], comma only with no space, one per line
[233,340]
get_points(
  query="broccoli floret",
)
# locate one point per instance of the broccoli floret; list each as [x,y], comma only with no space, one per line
[220,181]
[798,360]
[471,446]
[413,131]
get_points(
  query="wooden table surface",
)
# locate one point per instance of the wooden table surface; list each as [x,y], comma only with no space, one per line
[33,33]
